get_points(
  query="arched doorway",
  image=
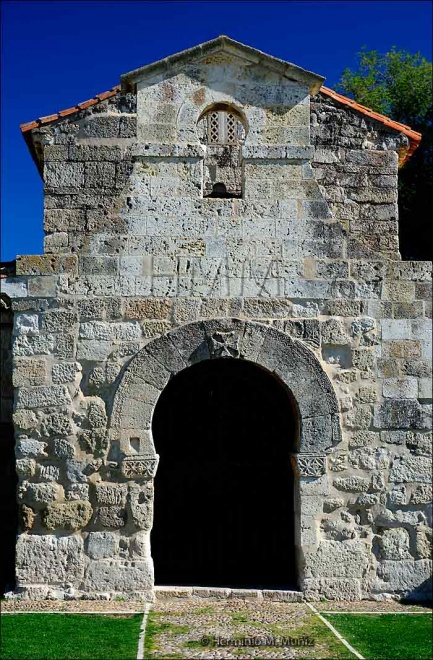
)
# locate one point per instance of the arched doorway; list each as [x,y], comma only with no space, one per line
[224,512]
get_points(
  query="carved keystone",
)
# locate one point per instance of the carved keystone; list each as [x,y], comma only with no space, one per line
[224,344]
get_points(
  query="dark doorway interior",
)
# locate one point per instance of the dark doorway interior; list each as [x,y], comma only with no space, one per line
[224,490]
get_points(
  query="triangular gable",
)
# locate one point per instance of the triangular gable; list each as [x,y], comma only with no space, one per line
[222,44]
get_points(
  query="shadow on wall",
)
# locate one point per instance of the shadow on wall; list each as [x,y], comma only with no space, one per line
[8,477]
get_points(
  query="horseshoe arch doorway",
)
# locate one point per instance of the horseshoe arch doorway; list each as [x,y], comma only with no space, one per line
[225,491]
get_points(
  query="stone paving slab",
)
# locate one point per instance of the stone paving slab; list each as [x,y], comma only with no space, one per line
[235,628]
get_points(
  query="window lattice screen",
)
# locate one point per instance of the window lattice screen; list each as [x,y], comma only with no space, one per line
[223,127]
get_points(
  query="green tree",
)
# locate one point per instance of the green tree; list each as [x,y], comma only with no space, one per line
[399,84]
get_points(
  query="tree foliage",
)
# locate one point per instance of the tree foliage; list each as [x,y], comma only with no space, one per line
[399,84]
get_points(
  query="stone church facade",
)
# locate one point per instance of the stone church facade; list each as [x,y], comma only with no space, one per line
[221,218]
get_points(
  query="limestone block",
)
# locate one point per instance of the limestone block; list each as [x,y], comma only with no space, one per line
[425,388]
[334,332]
[141,504]
[419,444]
[111,516]
[41,397]
[102,545]
[398,414]
[64,174]
[369,458]
[25,467]
[15,287]
[28,345]
[38,494]
[26,324]
[398,495]
[75,471]
[69,515]
[29,372]
[331,504]
[393,329]
[100,175]
[411,468]
[93,350]
[339,559]
[422,494]
[30,448]
[407,576]
[363,439]
[139,546]
[340,589]
[359,418]
[48,472]
[65,372]
[49,560]
[57,423]
[120,576]
[27,517]
[424,543]
[148,308]
[111,493]
[77,492]
[394,544]
[352,484]
[400,388]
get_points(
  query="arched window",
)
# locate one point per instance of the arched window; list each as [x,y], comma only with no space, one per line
[221,128]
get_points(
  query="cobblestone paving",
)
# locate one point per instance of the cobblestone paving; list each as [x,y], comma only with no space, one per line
[238,629]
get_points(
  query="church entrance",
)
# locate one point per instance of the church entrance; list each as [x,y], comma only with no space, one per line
[224,512]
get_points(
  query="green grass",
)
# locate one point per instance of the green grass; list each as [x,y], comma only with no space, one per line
[69,636]
[387,636]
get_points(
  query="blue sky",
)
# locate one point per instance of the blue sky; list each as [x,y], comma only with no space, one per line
[57,54]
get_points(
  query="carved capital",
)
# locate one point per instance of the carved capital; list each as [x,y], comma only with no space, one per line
[140,467]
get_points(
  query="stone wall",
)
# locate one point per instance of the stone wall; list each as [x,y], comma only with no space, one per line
[133,252]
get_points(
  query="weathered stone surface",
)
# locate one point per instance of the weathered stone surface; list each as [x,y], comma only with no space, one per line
[141,504]
[339,559]
[424,548]
[101,545]
[407,577]
[422,494]
[31,448]
[352,484]
[411,468]
[38,494]
[26,467]
[70,515]
[111,516]
[49,560]
[41,397]
[119,576]
[394,544]
[111,493]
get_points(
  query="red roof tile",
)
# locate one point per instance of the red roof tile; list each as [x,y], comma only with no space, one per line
[28,126]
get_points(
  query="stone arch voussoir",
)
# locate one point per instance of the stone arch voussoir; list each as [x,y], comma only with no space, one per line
[296,366]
